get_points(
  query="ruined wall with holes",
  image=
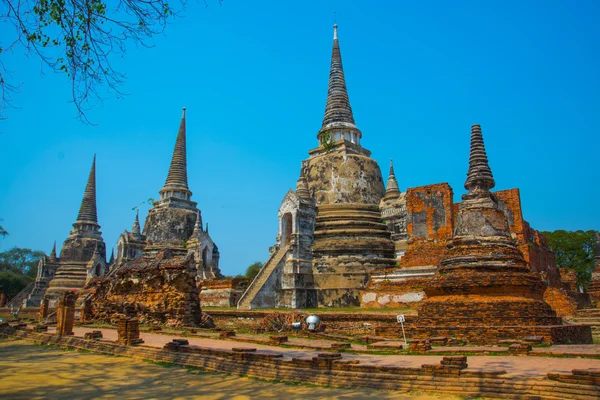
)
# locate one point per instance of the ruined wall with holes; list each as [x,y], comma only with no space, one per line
[430,224]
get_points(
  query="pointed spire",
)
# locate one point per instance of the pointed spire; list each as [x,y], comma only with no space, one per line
[177,177]
[53,252]
[479,177]
[392,183]
[136,224]
[338,112]
[87,211]
[198,224]
[206,228]
[302,186]
[112,256]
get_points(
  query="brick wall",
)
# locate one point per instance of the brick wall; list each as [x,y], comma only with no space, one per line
[222,292]
[430,224]
[532,243]
[339,371]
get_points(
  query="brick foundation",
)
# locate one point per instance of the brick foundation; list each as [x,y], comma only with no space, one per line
[450,376]
[65,314]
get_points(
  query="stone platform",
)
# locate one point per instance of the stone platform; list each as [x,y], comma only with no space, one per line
[520,377]
[554,334]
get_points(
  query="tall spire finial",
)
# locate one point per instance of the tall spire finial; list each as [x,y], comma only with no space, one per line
[177,177]
[302,186]
[53,252]
[87,210]
[198,224]
[392,183]
[136,223]
[338,113]
[479,176]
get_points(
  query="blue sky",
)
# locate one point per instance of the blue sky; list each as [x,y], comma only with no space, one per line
[253,76]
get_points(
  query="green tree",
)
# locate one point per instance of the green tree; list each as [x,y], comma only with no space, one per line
[80,39]
[12,282]
[574,250]
[20,261]
[3,232]
[253,270]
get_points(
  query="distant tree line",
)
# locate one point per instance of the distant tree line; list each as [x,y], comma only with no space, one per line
[18,267]
[574,250]
[251,271]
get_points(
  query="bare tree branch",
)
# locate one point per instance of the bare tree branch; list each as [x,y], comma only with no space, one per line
[81,38]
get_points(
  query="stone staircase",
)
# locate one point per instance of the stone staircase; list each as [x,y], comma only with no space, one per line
[37,292]
[18,300]
[588,316]
[245,302]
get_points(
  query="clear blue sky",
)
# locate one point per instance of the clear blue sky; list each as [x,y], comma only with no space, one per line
[253,76]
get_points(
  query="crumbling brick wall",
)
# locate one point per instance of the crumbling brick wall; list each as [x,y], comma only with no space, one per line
[393,294]
[65,314]
[157,290]
[222,292]
[532,243]
[430,224]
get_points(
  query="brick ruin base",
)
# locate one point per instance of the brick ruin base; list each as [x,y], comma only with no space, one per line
[128,331]
[157,289]
[558,334]
[65,314]
[451,375]
[393,294]
[44,306]
[222,292]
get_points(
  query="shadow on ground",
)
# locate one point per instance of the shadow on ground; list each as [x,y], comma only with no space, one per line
[29,371]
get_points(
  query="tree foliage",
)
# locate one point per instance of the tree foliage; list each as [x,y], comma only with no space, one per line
[574,250]
[253,270]
[11,283]
[81,39]
[3,232]
[21,261]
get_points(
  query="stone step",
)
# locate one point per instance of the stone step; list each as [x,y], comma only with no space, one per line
[264,274]
[70,273]
[70,269]
[581,320]
[591,312]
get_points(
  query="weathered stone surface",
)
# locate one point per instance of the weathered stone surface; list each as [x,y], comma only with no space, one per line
[222,292]
[159,289]
[484,280]
[65,314]
[594,287]
[83,254]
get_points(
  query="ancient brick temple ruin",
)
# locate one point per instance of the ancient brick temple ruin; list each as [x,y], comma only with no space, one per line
[331,234]
[155,276]
[484,289]
[82,257]
[173,222]
[332,248]
[594,288]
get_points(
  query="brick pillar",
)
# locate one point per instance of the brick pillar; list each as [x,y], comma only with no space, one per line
[65,314]
[128,331]
[86,310]
[44,308]
[2,299]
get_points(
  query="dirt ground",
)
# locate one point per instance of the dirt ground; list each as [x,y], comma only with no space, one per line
[29,371]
